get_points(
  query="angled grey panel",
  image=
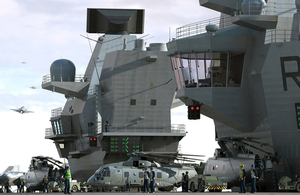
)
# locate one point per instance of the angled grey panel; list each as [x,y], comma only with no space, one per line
[222,6]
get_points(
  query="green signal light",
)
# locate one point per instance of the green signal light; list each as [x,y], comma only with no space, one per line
[126,146]
[126,150]
[127,138]
[127,142]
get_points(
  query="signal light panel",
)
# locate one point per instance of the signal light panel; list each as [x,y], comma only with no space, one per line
[93,142]
[194,112]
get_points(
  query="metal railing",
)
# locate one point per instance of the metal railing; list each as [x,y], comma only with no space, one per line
[196,28]
[56,112]
[65,78]
[275,8]
[174,128]
[89,130]
[199,27]
[93,90]
[48,132]
[277,36]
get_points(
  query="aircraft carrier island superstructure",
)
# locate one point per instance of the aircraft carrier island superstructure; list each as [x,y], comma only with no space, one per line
[121,104]
[243,70]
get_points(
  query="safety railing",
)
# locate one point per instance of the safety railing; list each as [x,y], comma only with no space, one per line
[174,128]
[93,90]
[277,36]
[90,130]
[56,112]
[48,132]
[65,78]
[276,8]
[272,8]
[199,27]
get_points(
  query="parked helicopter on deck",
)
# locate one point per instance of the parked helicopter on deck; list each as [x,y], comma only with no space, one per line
[168,175]
[39,167]
[235,151]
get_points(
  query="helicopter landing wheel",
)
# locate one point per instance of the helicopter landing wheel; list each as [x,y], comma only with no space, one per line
[298,187]
[192,187]
[74,188]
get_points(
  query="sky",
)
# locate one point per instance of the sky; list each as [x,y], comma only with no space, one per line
[35,33]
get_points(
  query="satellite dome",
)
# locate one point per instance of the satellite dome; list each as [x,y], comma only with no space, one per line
[62,70]
[212,28]
[253,7]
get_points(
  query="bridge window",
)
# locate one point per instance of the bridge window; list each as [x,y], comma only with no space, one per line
[210,69]
[57,127]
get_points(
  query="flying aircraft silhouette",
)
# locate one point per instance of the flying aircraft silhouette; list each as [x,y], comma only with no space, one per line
[22,110]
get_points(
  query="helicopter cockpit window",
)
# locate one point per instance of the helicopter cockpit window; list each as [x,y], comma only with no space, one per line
[106,172]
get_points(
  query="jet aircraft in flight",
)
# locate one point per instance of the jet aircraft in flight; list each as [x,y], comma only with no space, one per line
[22,110]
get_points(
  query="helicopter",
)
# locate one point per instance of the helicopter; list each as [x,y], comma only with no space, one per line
[39,167]
[168,174]
[235,151]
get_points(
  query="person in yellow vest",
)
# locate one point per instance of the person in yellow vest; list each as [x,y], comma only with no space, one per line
[45,184]
[186,181]
[242,179]
[67,176]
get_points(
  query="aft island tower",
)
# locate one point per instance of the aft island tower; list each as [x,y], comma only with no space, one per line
[121,104]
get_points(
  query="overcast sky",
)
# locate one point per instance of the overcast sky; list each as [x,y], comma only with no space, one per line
[35,33]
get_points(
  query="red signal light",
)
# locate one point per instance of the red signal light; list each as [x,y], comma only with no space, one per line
[192,108]
[95,139]
[197,108]
[91,139]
